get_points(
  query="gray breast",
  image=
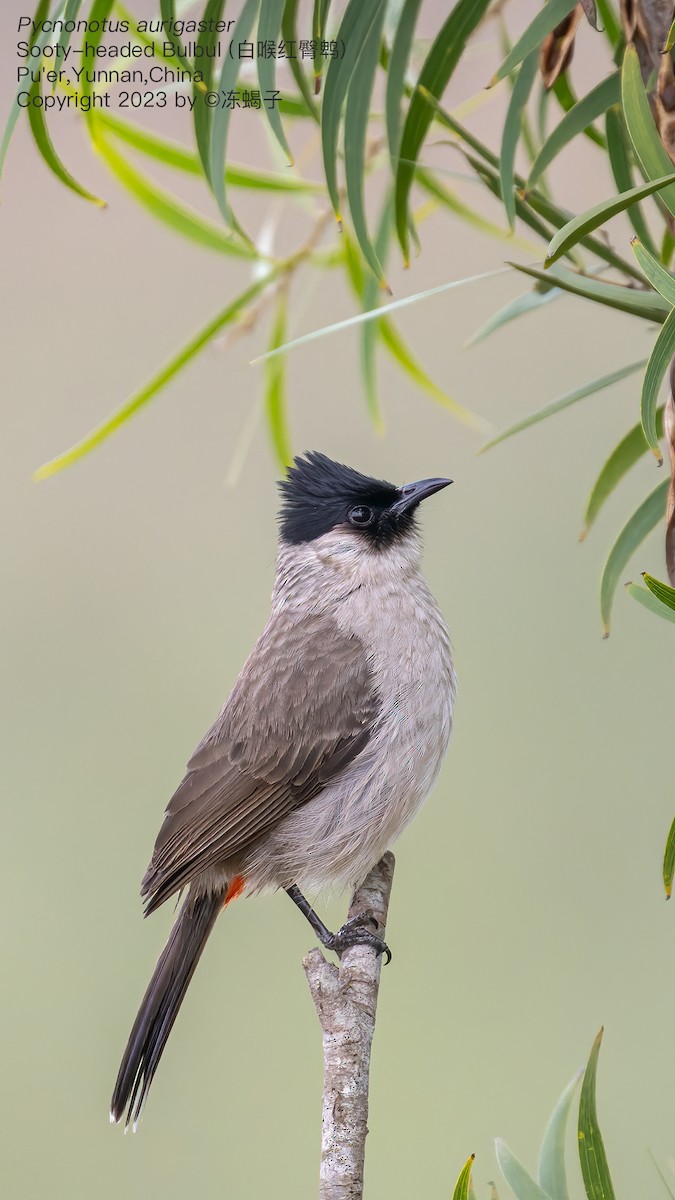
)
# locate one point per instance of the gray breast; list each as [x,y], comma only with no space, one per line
[340,833]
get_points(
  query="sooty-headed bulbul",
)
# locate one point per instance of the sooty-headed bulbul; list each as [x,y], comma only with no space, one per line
[331,738]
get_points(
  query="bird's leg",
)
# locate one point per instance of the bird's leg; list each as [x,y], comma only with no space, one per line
[352,933]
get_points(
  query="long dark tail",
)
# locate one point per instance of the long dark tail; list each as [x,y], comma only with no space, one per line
[161,1003]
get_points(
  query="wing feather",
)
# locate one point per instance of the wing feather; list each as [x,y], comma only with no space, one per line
[302,708]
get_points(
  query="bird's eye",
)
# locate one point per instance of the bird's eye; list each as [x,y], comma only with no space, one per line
[361,515]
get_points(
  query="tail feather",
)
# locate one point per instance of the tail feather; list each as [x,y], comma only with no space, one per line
[160,1005]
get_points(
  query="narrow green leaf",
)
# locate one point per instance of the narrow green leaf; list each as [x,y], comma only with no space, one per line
[667,247]
[613,295]
[289,33]
[293,106]
[514,309]
[15,110]
[202,115]
[657,275]
[520,1182]
[619,158]
[592,1155]
[662,591]
[649,601]
[575,121]
[356,127]
[144,38]
[538,205]
[524,128]
[392,340]
[319,23]
[643,520]
[167,9]
[597,245]
[269,29]
[556,406]
[486,164]
[369,296]
[43,141]
[164,206]
[140,398]
[524,210]
[511,133]
[610,22]
[174,154]
[220,122]
[566,96]
[396,69]
[41,13]
[63,41]
[275,387]
[463,1186]
[543,101]
[551,1173]
[629,451]
[437,69]
[376,313]
[544,22]
[669,854]
[670,40]
[384,328]
[572,233]
[460,131]
[354,27]
[354,264]
[369,338]
[647,144]
[659,361]
[97,17]
[320,19]
[469,215]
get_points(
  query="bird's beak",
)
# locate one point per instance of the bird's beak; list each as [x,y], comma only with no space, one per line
[412,493]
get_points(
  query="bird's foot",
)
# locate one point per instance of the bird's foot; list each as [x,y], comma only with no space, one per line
[355,933]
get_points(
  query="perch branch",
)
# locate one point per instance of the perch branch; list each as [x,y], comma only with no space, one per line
[345,998]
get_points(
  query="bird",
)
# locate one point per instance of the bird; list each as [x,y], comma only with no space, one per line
[331,738]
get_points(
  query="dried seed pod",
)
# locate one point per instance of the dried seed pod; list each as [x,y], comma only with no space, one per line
[664,104]
[591,12]
[558,47]
[646,24]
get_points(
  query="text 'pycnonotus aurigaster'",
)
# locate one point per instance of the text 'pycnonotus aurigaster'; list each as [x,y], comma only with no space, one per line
[333,734]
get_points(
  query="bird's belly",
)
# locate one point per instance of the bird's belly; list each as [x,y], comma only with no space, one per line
[334,839]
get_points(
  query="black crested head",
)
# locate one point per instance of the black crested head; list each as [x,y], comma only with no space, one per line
[319,495]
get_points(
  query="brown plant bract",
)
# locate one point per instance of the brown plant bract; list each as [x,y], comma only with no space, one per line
[591,12]
[557,48]
[646,24]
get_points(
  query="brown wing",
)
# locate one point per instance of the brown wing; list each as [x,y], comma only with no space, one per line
[302,708]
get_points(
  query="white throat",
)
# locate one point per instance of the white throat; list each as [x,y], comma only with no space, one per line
[321,572]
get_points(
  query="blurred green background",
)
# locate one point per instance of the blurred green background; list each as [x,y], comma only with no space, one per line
[527,906]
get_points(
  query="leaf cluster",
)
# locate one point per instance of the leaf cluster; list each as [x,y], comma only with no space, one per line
[571,251]
[551,1175]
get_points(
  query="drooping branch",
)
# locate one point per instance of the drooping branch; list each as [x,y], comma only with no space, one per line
[345,998]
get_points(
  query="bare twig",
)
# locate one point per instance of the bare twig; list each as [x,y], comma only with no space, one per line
[346,1001]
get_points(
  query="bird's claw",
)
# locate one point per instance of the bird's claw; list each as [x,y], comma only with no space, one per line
[354,933]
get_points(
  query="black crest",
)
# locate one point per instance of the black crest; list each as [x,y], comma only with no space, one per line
[319,494]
